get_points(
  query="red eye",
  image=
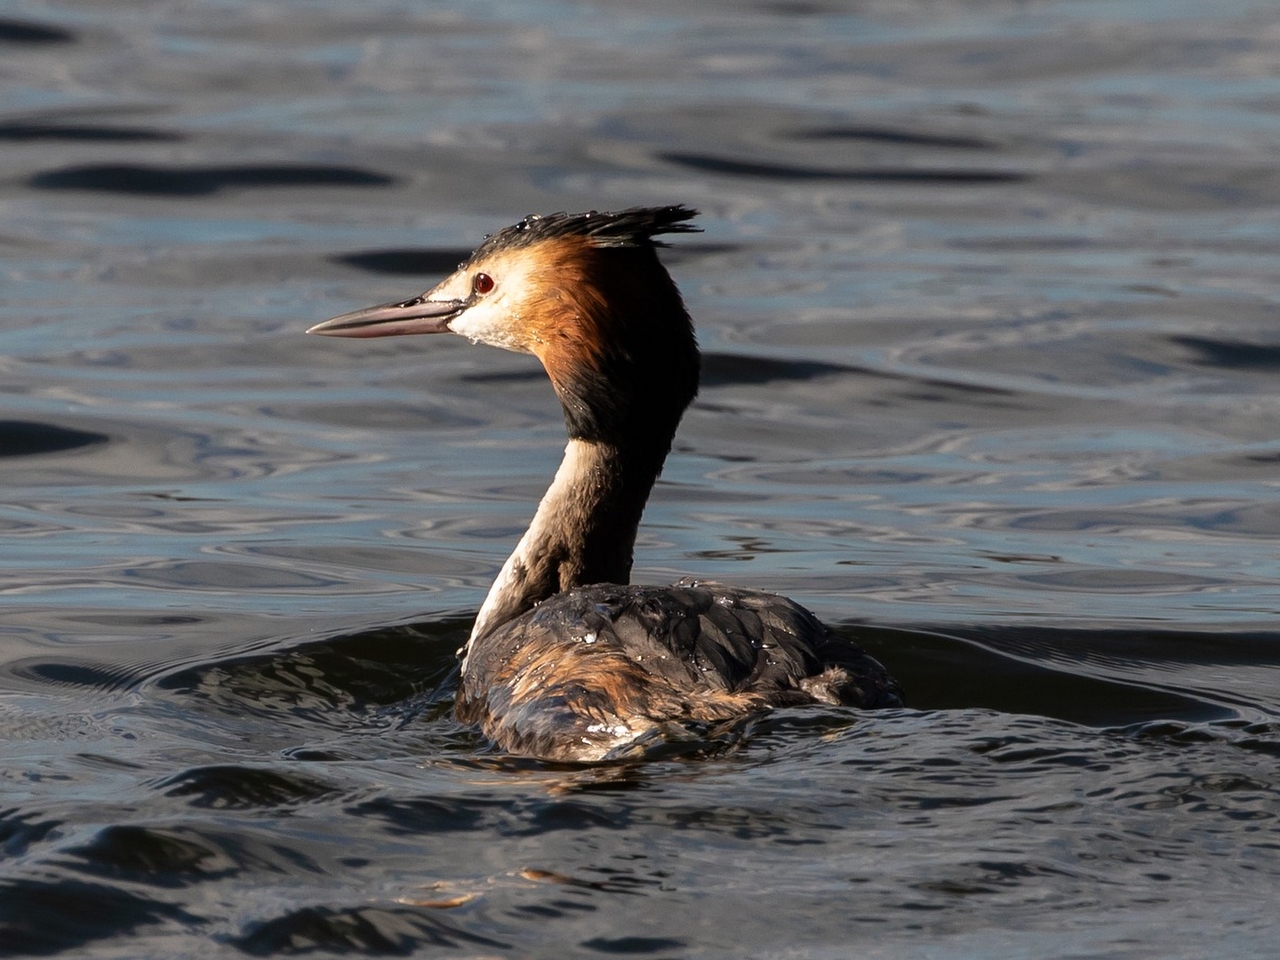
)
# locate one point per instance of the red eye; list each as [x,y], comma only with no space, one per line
[482,283]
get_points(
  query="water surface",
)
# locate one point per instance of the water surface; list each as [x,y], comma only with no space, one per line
[987,296]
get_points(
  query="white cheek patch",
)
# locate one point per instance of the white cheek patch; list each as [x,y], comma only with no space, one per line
[491,321]
[497,317]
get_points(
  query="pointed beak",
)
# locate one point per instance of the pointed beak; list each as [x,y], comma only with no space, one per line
[418,315]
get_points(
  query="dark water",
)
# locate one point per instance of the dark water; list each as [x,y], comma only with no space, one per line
[989,297]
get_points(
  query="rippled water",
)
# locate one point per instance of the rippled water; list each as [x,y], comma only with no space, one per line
[988,296]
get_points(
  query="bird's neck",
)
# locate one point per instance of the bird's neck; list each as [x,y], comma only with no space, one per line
[584,531]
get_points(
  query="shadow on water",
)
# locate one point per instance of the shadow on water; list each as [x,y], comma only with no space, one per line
[43,918]
[1033,673]
[155,180]
[706,163]
[27,31]
[24,438]
[1230,354]
[406,262]
[406,670]
[722,369]
[73,674]
[396,931]
[886,135]
[26,131]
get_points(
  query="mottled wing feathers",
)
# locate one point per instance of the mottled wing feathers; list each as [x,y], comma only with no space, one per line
[594,668]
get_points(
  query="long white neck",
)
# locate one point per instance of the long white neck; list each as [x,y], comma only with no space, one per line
[584,531]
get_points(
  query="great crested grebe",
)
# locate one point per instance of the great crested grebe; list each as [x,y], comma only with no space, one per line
[566,661]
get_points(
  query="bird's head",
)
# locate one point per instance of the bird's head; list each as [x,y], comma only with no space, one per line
[585,294]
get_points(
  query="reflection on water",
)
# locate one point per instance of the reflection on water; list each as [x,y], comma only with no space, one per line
[987,300]
[198,181]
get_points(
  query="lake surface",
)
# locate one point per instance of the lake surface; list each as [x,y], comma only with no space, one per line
[989,299]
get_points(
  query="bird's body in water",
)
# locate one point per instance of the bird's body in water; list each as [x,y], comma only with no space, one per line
[566,660]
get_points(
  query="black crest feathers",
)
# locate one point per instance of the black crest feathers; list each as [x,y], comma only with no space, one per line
[634,227]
